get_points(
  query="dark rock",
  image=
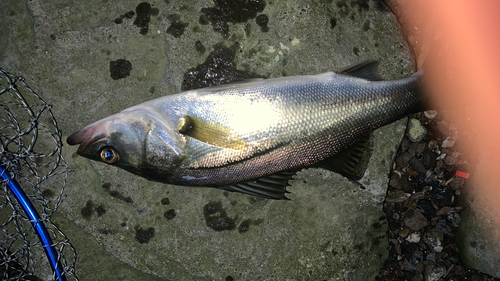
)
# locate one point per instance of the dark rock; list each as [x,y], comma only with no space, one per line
[409,275]
[398,181]
[426,208]
[393,262]
[408,266]
[416,149]
[414,219]
[394,223]
[423,246]
[443,197]
[448,239]
[413,255]
[416,165]
[405,144]
[454,218]
[442,227]
[429,159]
[402,159]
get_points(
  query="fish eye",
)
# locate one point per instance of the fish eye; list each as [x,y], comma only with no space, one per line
[109,155]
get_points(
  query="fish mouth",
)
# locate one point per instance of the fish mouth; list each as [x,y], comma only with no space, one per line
[85,137]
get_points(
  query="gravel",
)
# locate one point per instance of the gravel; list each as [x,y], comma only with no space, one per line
[422,207]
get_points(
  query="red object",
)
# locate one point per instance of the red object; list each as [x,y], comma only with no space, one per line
[462,174]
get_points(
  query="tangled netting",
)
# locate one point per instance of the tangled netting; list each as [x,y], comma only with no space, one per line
[30,152]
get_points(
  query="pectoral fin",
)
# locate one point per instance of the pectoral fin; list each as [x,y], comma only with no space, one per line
[210,133]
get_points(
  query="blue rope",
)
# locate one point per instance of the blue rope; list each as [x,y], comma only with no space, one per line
[40,229]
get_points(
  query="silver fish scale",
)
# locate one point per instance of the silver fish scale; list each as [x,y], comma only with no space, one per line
[284,123]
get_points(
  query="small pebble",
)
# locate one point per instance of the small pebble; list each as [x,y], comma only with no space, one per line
[431,239]
[430,177]
[404,232]
[456,183]
[448,142]
[408,266]
[434,272]
[397,196]
[454,218]
[418,277]
[441,157]
[430,113]
[450,161]
[416,131]
[431,257]
[413,237]
[432,144]
[418,195]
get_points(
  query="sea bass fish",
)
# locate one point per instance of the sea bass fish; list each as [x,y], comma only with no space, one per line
[252,137]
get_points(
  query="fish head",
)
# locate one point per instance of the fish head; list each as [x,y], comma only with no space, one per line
[136,139]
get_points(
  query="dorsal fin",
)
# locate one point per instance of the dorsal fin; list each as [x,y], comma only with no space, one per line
[231,85]
[351,162]
[366,69]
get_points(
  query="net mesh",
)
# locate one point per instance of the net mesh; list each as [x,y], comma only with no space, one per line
[30,151]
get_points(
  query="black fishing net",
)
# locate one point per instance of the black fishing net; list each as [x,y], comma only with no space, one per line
[30,153]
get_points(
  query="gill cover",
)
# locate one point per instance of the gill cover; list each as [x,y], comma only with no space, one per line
[137,140]
[164,147]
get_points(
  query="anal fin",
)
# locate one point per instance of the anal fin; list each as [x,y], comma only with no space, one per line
[351,162]
[270,186]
